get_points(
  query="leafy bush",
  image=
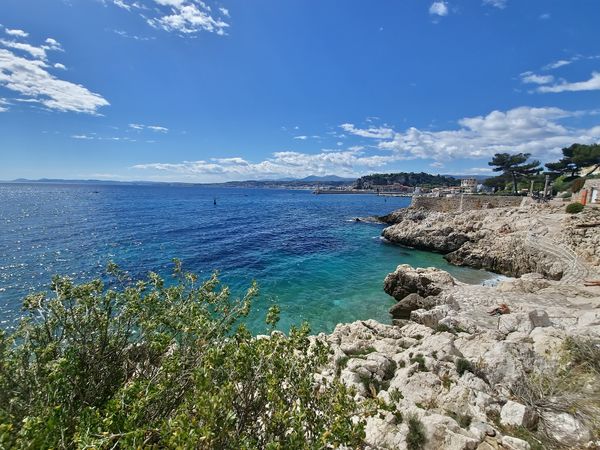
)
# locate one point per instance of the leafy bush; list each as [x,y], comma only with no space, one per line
[574,208]
[464,420]
[420,360]
[146,364]
[415,439]
[463,365]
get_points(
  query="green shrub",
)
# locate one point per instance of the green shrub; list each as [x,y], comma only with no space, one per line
[443,328]
[146,364]
[574,208]
[464,420]
[395,395]
[420,360]
[463,365]
[415,439]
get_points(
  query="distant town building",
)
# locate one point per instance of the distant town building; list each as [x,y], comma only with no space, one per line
[591,191]
[468,185]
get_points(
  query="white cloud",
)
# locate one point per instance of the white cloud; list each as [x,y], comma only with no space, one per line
[559,63]
[16,33]
[501,4]
[371,132]
[545,16]
[187,17]
[301,138]
[532,78]
[94,137]
[52,44]
[286,163]
[125,34]
[531,130]
[438,9]
[30,78]
[593,84]
[3,105]
[36,52]
[60,66]
[156,128]
[525,129]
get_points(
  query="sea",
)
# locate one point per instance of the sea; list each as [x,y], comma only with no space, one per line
[307,252]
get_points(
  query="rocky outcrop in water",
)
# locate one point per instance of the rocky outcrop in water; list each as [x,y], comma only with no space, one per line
[511,241]
[514,366]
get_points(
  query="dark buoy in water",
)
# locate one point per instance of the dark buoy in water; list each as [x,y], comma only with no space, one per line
[215,201]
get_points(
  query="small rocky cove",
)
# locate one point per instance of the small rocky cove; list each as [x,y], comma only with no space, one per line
[511,366]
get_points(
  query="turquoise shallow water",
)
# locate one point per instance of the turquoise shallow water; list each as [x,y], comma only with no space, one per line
[305,251]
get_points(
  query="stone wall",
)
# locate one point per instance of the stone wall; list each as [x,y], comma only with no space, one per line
[465,202]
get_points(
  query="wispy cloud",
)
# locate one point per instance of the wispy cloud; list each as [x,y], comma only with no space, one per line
[31,79]
[133,36]
[559,63]
[593,84]
[532,78]
[186,17]
[567,61]
[95,137]
[16,33]
[4,105]
[371,132]
[156,128]
[500,4]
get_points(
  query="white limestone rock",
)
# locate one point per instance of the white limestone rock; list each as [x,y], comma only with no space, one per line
[518,415]
[566,429]
[513,443]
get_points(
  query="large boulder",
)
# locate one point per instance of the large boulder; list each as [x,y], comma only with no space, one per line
[518,415]
[411,302]
[406,280]
[565,428]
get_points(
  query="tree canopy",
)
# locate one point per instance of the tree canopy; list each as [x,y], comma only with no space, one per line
[411,179]
[514,166]
[576,158]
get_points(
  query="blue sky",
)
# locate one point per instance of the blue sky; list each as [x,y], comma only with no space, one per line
[244,89]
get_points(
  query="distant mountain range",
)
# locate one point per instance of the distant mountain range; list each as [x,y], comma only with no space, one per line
[310,179]
[331,180]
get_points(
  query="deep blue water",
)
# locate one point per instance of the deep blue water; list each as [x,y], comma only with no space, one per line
[305,251]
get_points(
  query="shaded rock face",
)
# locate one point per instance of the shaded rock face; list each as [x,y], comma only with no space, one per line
[408,304]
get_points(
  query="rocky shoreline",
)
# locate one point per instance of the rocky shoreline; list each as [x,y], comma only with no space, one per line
[514,366]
